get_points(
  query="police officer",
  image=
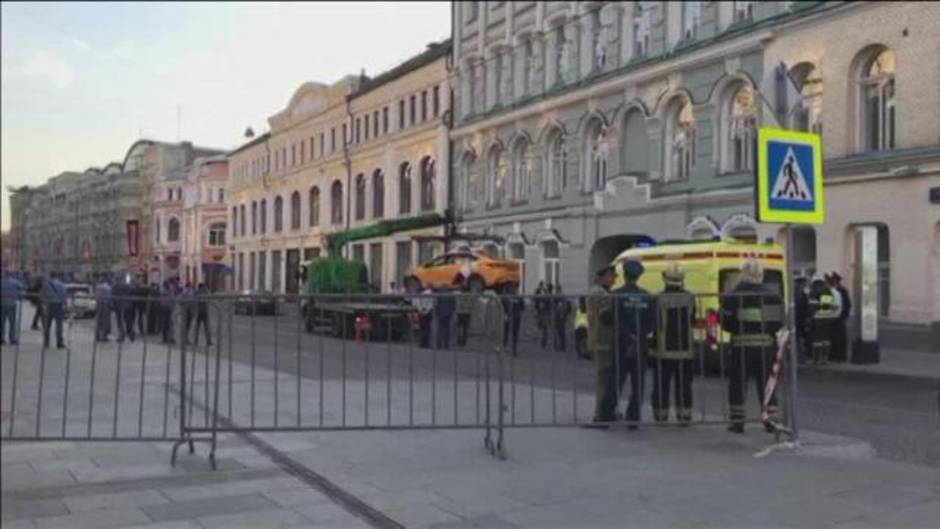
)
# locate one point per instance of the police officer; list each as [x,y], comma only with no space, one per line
[752,313]
[825,315]
[634,310]
[599,344]
[673,355]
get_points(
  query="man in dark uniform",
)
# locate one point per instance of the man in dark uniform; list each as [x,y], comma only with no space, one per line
[840,331]
[752,313]
[634,316]
[825,313]
[513,305]
[673,355]
[599,345]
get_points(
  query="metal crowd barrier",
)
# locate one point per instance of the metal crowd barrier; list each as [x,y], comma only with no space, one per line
[375,362]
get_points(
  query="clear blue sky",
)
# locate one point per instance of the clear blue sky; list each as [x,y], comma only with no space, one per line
[81,82]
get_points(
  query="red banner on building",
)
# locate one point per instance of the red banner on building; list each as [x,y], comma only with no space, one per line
[133,238]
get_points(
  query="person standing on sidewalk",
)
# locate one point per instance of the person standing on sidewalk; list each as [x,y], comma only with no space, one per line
[466,302]
[102,309]
[562,309]
[513,306]
[121,305]
[635,311]
[673,356]
[12,292]
[444,307]
[53,296]
[35,299]
[825,314]
[840,331]
[202,313]
[752,313]
[600,338]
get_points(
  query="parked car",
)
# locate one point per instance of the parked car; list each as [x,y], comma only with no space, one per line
[257,302]
[80,301]
[477,270]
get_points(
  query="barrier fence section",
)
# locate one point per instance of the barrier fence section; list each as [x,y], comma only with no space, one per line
[448,360]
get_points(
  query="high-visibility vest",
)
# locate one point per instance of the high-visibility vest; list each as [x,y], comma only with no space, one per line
[580,319]
[824,307]
[752,315]
[674,313]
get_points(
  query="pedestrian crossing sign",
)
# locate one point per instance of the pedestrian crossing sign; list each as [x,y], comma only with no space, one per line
[789,177]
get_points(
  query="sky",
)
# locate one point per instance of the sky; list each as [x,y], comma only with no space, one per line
[82,81]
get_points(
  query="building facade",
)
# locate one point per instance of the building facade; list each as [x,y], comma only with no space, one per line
[584,127]
[338,157]
[204,223]
[78,224]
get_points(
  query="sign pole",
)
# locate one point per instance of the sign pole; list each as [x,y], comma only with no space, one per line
[792,357]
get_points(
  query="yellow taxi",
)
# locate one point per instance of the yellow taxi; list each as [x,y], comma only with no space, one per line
[476,270]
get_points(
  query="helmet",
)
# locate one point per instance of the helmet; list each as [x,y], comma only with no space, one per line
[752,272]
[673,274]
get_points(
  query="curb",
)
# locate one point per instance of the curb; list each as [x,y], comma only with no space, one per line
[860,375]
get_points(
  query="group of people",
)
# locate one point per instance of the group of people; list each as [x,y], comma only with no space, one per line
[823,307]
[131,308]
[632,330]
[46,295]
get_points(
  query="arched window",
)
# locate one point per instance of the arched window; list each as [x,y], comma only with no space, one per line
[635,143]
[519,181]
[173,230]
[336,202]
[278,214]
[680,134]
[263,215]
[156,231]
[467,187]
[805,115]
[241,220]
[360,196]
[428,177]
[295,210]
[551,262]
[557,176]
[595,153]
[495,174]
[313,199]
[404,188]
[378,194]
[739,120]
[877,100]
[254,217]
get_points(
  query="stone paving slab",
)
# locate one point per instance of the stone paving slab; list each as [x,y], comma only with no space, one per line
[191,509]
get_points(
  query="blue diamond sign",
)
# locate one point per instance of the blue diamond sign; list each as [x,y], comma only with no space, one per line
[789,177]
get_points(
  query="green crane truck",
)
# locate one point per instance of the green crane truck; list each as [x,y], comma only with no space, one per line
[336,288]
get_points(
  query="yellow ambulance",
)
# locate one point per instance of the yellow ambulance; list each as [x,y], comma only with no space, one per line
[711,269]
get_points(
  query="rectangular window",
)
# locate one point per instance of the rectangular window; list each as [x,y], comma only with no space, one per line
[358,123]
[375,123]
[436,101]
[252,271]
[359,253]
[345,136]
[402,259]
[293,154]
[401,114]
[276,271]
[262,269]
[375,266]
[412,109]
[333,140]
[424,105]
[283,157]
[384,120]
[322,144]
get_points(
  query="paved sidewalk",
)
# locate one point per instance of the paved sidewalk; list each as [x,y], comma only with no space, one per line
[698,477]
[894,363]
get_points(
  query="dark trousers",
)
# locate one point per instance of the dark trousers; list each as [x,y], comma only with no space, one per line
[511,333]
[561,333]
[580,342]
[166,324]
[676,374]
[121,323]
[743,365]
[839,351]
[102,322]
[463,327]
[424,330]
[8,320]
[140,318]
[38,318]
[202,320]
[544,327]
[129,319]
[613,379]
[54,312]
[443,332]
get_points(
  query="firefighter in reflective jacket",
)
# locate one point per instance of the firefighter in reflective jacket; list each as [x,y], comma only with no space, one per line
[673,356]
[825,313]
[581,329]
[752,313]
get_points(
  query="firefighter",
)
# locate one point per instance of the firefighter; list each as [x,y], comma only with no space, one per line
[635,312]
[599,345]
[752,313]
[825,315]
[673,354]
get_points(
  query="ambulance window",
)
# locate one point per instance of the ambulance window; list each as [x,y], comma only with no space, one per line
[728,279]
